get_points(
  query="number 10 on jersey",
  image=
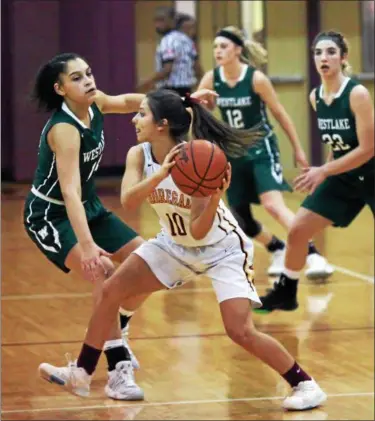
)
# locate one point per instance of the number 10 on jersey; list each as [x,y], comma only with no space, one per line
[177,225]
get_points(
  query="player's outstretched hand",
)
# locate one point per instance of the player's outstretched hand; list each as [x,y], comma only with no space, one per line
[91,263]
[204,95]
[310,179]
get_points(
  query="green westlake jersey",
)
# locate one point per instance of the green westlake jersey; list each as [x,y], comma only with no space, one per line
[240,106]
[91,151]
[336,123]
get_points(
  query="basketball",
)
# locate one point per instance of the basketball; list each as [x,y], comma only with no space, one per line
[200,168]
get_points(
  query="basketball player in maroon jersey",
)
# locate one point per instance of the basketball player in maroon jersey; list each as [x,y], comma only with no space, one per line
[210,242]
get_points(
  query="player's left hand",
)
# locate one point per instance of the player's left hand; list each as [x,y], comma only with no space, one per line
[204,95]
[226,183]
[310,179]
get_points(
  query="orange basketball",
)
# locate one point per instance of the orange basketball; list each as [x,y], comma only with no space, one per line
[200,168]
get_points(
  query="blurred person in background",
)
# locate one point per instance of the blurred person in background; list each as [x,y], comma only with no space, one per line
[244,93]
[175,57]
[188,25]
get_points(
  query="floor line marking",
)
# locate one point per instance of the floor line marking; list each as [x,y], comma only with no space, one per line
[192,402]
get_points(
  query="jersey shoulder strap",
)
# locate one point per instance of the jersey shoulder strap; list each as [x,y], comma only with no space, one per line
[148,161]
[217,77]
[318,93]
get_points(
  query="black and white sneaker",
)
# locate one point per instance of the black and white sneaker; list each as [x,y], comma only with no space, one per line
[281,297]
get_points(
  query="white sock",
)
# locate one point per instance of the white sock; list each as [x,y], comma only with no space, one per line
[126,312]
[113,343]
[292,274]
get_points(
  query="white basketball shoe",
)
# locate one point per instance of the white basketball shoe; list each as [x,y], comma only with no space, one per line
[306,395]
[318,267]
[121,384]
[72,378]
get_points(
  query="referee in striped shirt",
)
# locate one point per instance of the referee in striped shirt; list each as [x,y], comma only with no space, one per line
[176,58]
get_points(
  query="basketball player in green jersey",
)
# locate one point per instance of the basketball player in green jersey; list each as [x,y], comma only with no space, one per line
[63,215]
[339,189]
[244,92]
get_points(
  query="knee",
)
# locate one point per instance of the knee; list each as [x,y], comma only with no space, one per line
[297,234]
[120,286]
[110,294]
[241,334]
[272,207]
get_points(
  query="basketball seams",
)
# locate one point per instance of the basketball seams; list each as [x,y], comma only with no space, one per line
[218,175]
[201,184]
[209,160]
[214,148]
[207,168]
[185,175]
[195,168]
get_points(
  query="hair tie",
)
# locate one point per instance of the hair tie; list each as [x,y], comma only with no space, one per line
[189,100]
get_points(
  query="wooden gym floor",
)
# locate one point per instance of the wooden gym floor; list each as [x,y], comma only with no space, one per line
[189,368]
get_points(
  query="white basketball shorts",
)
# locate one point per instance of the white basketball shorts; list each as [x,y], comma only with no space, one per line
[229,264]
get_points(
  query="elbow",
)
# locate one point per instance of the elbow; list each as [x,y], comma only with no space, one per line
[372,150]
[166,74]
[197,236]
[167,70]
[278,114]
[126,203]
[369,152]
[282,118]
[70,193]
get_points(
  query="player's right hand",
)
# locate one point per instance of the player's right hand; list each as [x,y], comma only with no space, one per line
[169,161]
[91,263]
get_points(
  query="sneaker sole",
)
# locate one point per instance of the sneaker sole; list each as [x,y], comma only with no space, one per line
[314,275]
[50,378]
[266,311]
[119,397]
[320,401]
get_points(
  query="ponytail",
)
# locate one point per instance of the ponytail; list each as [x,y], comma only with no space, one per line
[253,53]
[183,114]
[346,68]
[234,142]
